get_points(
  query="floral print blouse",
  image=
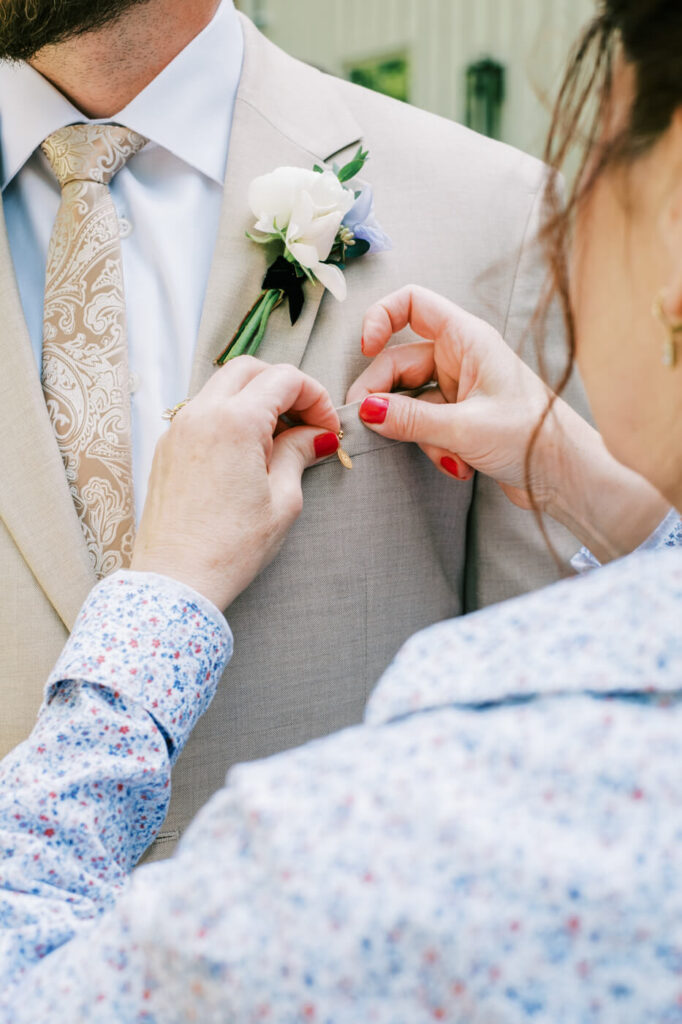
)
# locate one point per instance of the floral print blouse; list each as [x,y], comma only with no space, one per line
[499,841]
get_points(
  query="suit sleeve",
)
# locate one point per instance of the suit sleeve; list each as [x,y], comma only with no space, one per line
[507,554]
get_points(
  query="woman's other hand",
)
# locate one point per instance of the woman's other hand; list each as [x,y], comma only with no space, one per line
[487,402]
[225,485]
[482,414]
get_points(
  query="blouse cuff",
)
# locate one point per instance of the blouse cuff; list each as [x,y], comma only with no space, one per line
[668,534]
[149,639]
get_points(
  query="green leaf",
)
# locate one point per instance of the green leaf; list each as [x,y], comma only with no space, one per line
[359,248]
[318,169]
[350,170]
[262,239]
[355,166]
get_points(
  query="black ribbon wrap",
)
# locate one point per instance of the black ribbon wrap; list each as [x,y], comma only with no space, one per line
[282,277]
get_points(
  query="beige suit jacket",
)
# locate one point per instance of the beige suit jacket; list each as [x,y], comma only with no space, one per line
[380,551]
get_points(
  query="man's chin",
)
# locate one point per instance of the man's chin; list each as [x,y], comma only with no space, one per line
[28,26]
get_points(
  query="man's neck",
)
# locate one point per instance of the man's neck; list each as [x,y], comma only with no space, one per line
[100,72]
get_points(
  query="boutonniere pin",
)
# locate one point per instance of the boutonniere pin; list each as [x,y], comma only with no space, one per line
[314,223]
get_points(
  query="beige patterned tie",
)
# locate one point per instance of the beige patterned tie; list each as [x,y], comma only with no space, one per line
[85,355]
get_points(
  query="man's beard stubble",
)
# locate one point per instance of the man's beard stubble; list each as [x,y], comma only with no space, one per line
[26,26]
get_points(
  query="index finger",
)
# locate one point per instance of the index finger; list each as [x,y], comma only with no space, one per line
[426,312]
[283,388]
[407,366]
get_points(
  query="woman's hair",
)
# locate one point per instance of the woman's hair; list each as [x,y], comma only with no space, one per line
[648,33]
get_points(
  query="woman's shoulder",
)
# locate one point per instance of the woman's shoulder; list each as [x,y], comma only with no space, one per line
[615,629]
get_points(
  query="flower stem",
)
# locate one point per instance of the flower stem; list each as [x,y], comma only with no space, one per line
[272,301]
[251,331]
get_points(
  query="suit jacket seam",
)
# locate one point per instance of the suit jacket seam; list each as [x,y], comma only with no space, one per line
[517,268]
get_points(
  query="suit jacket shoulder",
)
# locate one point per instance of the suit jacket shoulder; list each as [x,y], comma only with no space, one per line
[438,144]
[317,111]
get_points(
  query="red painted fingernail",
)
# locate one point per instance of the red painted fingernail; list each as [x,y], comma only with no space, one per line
[326,444]
[450,466]
[374,410]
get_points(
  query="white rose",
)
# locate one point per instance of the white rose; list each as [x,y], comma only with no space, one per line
[309,208]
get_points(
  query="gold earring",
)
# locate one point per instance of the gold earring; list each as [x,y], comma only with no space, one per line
[673,331]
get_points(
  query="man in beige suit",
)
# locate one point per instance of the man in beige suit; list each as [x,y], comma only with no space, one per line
[369,562]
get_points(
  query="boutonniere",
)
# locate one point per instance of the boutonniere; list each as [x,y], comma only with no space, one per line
[314,223]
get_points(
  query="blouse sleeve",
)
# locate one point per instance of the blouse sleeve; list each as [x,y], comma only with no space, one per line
[84,795]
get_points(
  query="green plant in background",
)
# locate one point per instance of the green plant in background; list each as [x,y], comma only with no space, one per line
[389,75]
[485,86]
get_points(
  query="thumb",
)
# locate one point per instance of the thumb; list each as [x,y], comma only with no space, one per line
[413,420]
[293,451]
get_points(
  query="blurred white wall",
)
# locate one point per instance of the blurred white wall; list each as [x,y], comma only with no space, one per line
[531,38]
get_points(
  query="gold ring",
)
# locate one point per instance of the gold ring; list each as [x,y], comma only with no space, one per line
[170,414]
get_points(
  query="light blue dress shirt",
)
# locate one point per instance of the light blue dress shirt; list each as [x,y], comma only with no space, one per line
[501,841]
[168,198]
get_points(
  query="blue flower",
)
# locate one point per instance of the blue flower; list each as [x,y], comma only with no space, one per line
[362,221]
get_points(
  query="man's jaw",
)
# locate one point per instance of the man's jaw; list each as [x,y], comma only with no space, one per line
[28,26]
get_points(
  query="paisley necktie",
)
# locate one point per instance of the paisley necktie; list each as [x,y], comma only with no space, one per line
[85,373]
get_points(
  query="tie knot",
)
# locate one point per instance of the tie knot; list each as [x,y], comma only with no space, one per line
[90,152]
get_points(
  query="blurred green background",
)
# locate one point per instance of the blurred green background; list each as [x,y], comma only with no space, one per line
[492,64]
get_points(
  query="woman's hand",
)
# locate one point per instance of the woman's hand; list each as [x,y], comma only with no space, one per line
[226,481]
[486,405]
[482,414]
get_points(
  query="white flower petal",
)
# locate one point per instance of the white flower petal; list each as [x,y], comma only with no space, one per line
[305,254]
[265,225]
[302,217]
[328,194]
[274,195]
[332,279]
[322,234]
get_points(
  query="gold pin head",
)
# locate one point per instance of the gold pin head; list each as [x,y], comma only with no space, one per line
[344,457]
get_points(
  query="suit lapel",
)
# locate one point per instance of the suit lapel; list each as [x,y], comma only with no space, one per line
[35,504]
[285,113]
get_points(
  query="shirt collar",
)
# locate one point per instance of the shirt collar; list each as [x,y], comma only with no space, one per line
[187,109]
